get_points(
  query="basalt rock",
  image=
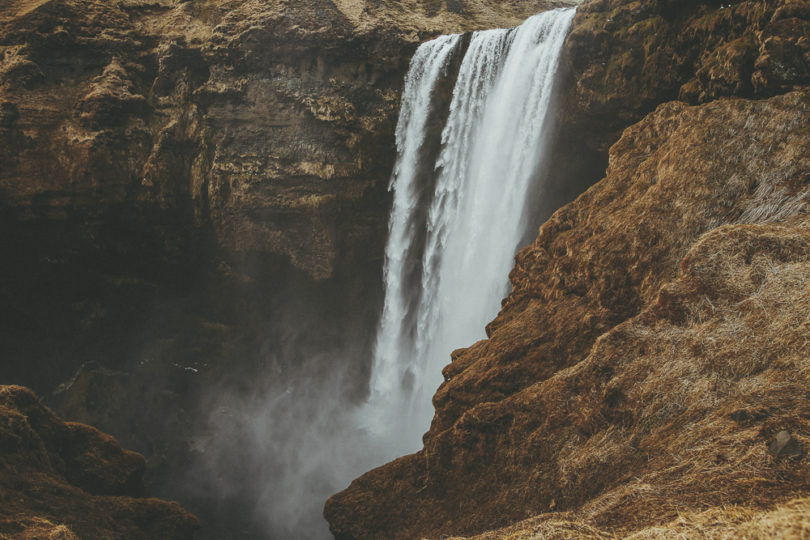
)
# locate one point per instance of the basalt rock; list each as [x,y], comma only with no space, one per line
[653,345]
[65,480]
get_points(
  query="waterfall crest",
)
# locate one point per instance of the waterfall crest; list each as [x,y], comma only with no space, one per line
[446,269]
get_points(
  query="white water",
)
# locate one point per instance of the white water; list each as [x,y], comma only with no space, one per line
[446,268]
[295,438]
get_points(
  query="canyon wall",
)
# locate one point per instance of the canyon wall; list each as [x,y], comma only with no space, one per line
[193,193]
[160,158]
[172,173]
[194,204]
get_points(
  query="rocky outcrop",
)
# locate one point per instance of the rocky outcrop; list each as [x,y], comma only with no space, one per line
[654,339]
[625,57]
[65,480]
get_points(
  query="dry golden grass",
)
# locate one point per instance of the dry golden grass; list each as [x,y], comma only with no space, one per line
[40,529]
[434,16]
[18,8]
[789,521]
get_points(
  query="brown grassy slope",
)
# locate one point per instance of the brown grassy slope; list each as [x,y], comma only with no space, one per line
[64,480]
[788,521]
[655,341]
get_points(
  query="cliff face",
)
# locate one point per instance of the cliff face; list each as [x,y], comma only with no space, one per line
[654,344]
[266,121]
[191,195]
[169,159]
[177,150]
[624,58]
[69,481]
[628,57]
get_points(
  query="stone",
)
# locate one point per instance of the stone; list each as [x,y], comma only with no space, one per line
[785,445]
[67,480]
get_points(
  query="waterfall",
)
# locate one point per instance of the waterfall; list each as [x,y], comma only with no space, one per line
[453,233]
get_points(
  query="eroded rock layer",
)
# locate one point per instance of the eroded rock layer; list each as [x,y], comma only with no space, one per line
[654,345]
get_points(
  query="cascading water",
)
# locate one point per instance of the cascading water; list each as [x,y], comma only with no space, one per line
[460,184]
[446,268]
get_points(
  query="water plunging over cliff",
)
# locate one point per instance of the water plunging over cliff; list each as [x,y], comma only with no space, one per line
[454,231]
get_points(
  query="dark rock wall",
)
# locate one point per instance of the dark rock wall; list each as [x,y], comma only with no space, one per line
[160,160]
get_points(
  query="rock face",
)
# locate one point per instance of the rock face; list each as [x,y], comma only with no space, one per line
[162,162]
[174,151]
[629,56]
[655,338]
[172,174]
[626,57]
[67,481]
[191,195]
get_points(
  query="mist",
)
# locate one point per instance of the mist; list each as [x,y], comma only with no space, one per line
[286,446]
